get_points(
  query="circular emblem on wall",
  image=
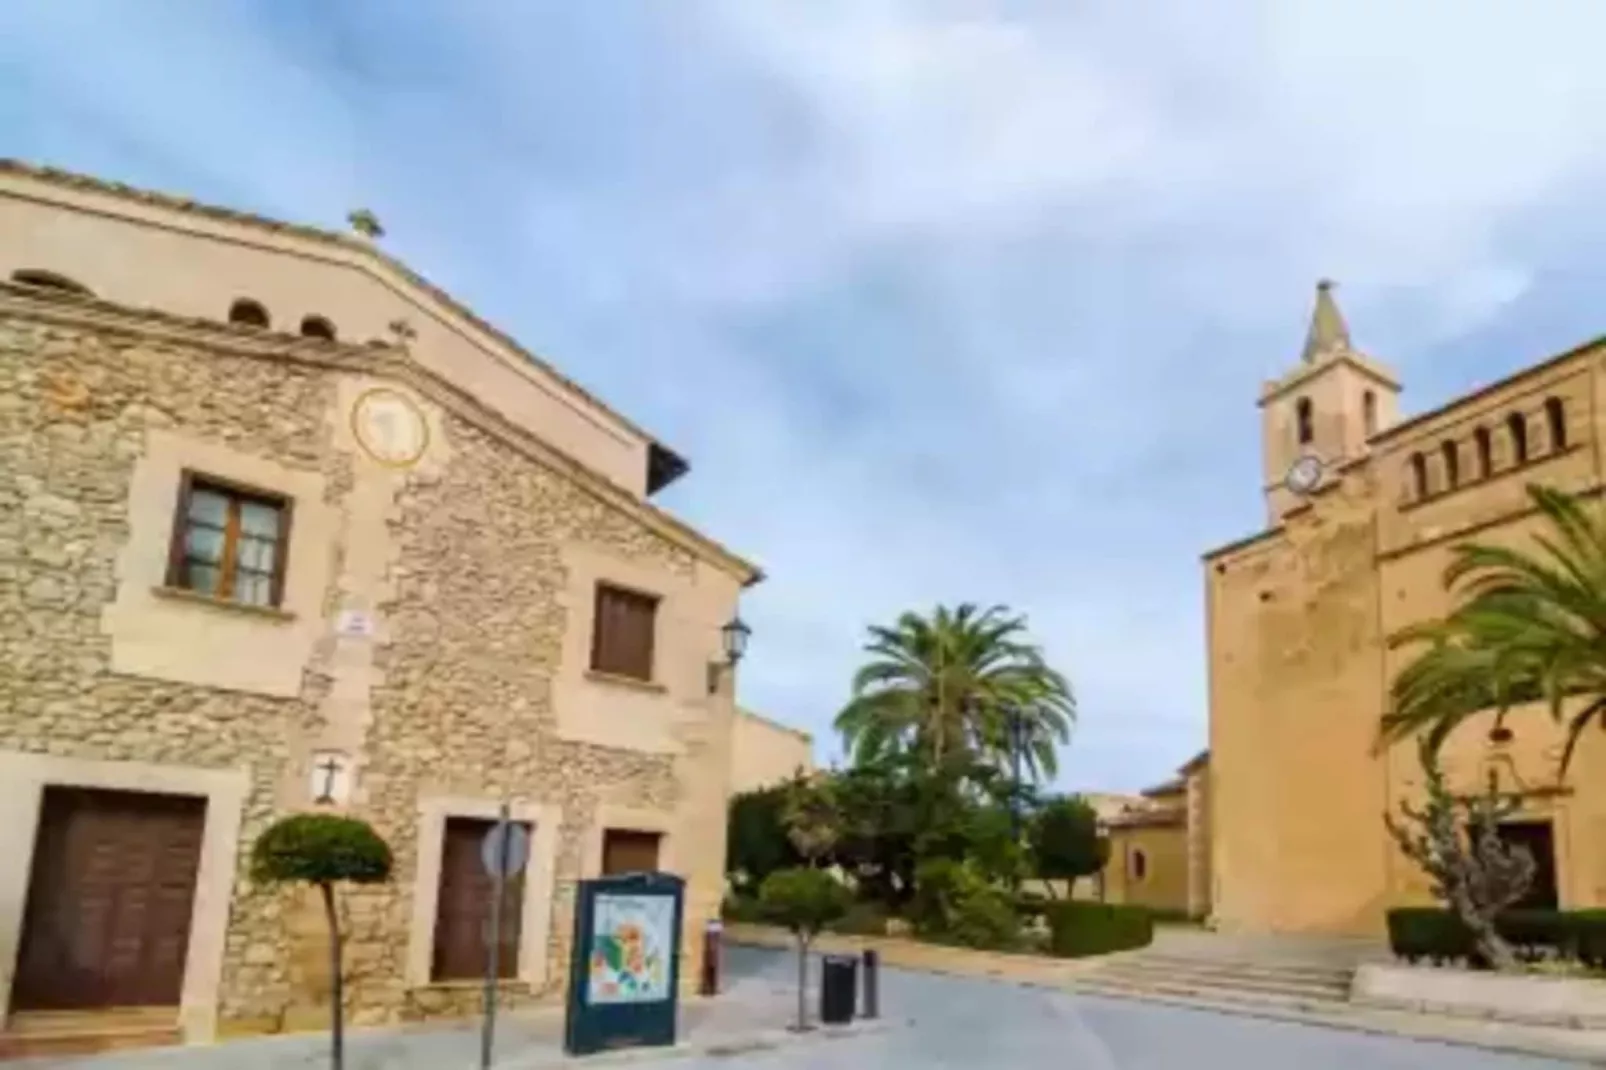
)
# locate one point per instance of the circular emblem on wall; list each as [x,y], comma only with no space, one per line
[390,427]
[1304,474]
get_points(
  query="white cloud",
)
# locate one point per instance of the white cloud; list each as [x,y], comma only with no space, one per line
[945,300]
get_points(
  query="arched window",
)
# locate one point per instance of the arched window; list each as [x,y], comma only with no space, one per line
[1517,427]
[50,280]
[1483,442]
[1556,423]
[248,313]
[1419,476]
[1140,865]
[318,327]
[1306,428]
[1369,413]
[1452,465]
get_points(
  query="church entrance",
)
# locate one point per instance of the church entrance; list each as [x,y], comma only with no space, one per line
[1540,840]
[110,898]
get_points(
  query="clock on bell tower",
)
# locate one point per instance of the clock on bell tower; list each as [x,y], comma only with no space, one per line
[1324,412]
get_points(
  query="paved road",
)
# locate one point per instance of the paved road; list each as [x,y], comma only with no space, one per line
[966,1023]
[951,1022]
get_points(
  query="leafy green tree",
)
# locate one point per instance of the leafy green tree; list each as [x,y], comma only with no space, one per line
[1528,624]
[945,686]
[758,843]
[323,850]
[811,816]
[1065,841]
[804,900]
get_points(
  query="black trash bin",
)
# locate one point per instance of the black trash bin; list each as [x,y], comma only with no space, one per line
[839,976]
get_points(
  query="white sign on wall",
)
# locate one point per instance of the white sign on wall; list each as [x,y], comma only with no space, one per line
[355,623]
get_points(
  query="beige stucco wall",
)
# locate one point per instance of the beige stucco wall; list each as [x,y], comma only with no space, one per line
[466,688]
[1299,667]
[194,263]
[765,753]
[1164,883]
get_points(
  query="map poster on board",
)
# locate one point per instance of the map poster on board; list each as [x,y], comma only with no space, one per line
[624,977]
[632,938]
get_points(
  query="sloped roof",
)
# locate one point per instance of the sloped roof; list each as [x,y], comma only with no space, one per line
[665,462]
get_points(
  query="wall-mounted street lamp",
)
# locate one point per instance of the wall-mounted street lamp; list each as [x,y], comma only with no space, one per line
[733,637]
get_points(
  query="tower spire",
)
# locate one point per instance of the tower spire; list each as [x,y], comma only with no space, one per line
[1328,331]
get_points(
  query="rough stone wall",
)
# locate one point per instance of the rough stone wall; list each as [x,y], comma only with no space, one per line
[74,407]
[465,707]
[464,703]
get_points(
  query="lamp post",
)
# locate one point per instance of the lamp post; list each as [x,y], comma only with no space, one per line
[733,638]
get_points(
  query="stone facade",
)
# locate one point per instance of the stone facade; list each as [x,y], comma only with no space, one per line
[464,566]
[1299,616]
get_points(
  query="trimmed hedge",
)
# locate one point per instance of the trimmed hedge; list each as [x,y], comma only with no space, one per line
[1438,935]
[1078,928]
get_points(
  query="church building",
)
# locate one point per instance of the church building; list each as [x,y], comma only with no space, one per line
[285,528]
[1363,507]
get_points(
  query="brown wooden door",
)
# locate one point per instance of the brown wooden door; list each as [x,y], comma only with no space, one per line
[110,897]
[463,907]
[628,851]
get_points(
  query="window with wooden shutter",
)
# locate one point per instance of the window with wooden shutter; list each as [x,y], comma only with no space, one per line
[463,907]
[229,542]
[621,641]
[629,851]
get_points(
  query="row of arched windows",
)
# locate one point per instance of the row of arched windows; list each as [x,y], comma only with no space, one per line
[245,312]
[1483,459]
[249,313]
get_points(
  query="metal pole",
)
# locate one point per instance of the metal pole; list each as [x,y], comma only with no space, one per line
[493,954]
[872,994]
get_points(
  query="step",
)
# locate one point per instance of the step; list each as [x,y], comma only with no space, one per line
[1275,985]
[65,1033]
[1288,965]
[1226,974]
[1209,994]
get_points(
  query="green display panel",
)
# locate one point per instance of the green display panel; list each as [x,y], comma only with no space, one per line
[624,977]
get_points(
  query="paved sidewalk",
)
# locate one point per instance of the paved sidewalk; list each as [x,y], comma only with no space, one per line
[753,1014]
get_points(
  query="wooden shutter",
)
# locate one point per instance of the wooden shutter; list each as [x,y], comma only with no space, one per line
[622,640]
[629,851]
[463,907]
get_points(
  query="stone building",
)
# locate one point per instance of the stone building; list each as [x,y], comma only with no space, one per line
[765,752]
[1160,845]
[284,528]
[1362,510]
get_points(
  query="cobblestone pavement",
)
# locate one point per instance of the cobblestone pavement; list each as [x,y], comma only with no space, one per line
[930,1022]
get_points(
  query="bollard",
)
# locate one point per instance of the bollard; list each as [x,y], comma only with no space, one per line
[872,983]
[712,933]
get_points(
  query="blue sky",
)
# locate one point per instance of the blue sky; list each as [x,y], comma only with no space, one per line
[944,301]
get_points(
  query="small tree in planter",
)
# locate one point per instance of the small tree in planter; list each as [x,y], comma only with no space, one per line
[1456,842]
[804,900]
[323,850]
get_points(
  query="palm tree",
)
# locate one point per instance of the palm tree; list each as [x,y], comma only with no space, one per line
[1530,624]
[943,687]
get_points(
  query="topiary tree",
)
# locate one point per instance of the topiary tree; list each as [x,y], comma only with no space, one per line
[323,850]
[804,900]
[1065,842]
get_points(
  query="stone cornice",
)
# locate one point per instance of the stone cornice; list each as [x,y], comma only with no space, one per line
[71,310]
[359,250]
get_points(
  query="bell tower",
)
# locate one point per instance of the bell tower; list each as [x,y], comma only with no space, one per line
[1323,413]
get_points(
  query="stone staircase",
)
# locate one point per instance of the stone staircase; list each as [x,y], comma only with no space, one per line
[1222,973]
